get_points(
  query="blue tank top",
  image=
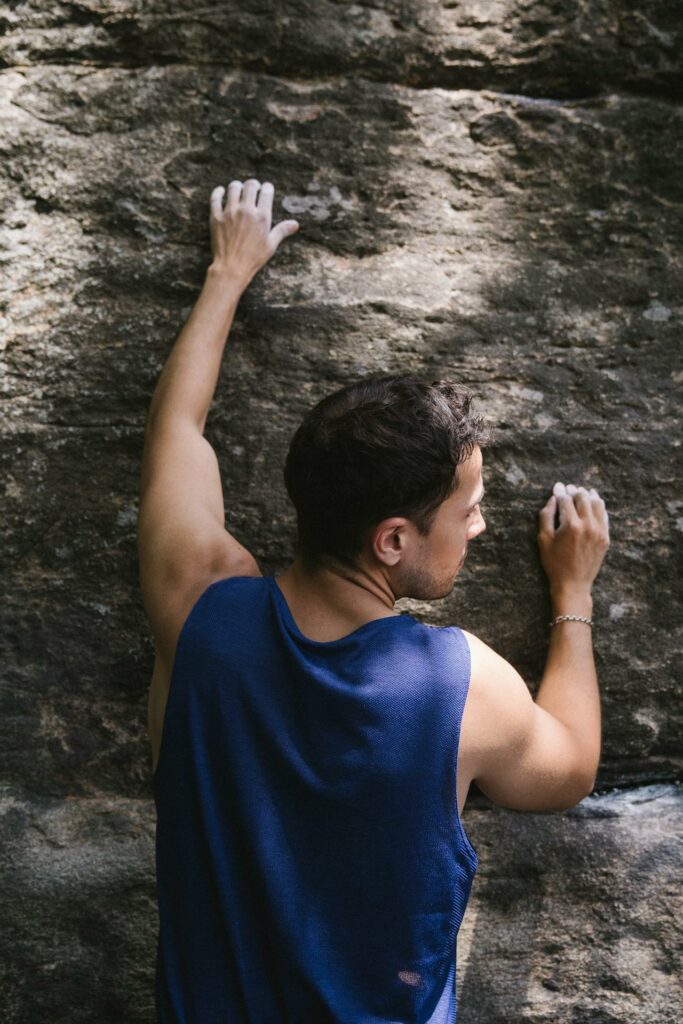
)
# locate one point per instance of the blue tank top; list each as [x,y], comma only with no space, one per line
[312,867]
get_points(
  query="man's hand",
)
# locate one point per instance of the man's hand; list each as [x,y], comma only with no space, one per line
[572,553]
[242,240]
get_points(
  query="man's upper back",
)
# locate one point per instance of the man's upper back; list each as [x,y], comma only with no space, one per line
[520,756]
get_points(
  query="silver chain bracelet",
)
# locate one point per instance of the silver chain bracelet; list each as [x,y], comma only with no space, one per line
[573,618]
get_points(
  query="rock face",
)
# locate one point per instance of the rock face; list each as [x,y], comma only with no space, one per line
[488,191]
[576,916]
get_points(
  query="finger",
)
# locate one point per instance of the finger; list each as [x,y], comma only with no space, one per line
[597,505]
[217,201]
[568,513]
[582,502]
[546,517]
[282,230]
[251,187]
[599,509]
[597,502]
[234,194]
[265,199]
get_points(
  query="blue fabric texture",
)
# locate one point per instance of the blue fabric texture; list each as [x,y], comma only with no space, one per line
[312,867]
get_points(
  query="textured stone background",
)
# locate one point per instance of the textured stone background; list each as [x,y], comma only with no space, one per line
[490,191]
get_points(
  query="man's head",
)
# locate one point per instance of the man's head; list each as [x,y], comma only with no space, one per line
[385,476]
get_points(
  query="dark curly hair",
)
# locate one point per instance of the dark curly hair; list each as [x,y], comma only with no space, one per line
[378,447]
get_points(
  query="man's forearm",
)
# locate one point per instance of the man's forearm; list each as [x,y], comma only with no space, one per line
[569,687]
[188,380]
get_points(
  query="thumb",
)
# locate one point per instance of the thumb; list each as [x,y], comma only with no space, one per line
[282,230]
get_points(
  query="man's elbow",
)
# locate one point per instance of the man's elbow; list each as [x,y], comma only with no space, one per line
[589,785]
[583,787]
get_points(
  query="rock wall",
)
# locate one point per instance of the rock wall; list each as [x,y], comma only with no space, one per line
[489,191]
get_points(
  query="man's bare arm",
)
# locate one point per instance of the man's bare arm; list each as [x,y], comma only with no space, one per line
[182,540]
[543,753]
[242,241]
[572,555]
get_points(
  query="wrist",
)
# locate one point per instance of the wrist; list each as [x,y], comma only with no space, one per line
[571,600]
[231,281]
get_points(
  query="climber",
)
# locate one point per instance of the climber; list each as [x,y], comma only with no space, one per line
[313,748]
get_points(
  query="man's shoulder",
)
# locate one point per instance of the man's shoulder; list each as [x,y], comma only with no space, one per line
[496,683]
[487,666]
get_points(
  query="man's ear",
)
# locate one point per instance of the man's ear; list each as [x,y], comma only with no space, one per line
[389,538]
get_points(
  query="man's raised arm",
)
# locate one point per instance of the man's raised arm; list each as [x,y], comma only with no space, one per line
[182,540]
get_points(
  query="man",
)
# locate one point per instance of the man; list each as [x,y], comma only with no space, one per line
[318,747]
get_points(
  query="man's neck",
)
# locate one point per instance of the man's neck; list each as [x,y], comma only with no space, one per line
[338,586]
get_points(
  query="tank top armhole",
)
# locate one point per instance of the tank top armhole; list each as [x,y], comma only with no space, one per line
[179,647]
[460,706]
